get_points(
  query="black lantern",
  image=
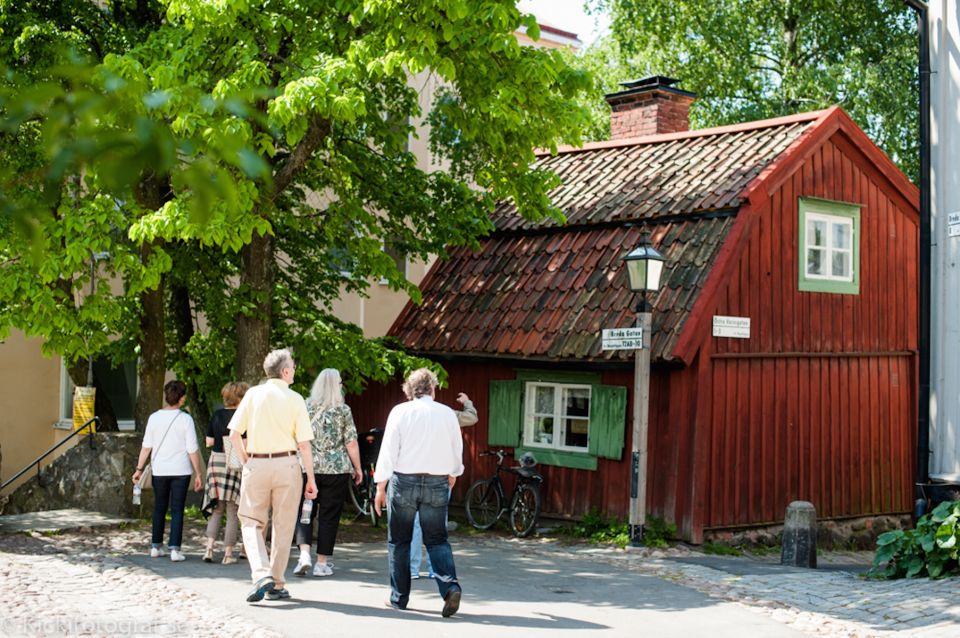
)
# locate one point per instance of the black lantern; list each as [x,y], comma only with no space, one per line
[644,266]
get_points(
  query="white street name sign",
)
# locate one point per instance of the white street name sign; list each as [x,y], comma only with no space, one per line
[622,339]
[734,327]
[953,224]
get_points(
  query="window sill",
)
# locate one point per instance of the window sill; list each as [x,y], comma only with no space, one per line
[558,458]
[124,425]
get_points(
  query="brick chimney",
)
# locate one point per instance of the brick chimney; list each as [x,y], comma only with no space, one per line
[648,107]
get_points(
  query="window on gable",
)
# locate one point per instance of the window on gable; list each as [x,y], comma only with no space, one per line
[829,246]
[557,416]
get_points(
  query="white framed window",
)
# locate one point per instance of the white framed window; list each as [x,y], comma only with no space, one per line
[557,416]
[829,247]
[120,384]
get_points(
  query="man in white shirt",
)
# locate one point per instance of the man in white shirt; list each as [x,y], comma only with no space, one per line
[421,457]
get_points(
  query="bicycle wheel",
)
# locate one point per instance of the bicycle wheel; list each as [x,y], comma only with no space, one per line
[524,510]
[483,504]
[371,496]
[358,496]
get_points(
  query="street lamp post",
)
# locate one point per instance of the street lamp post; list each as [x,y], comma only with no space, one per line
[644,267]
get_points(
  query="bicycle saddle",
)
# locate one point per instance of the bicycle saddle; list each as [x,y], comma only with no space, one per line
[526,472]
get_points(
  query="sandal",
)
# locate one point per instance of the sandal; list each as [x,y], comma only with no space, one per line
[228,560]
[208,557]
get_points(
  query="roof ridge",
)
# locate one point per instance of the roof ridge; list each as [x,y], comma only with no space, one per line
[809,116]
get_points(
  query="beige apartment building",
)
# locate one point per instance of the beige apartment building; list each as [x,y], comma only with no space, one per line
[36,392]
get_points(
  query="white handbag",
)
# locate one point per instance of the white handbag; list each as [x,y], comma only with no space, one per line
[230,453]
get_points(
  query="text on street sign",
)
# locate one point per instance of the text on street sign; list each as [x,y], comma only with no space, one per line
[733,327]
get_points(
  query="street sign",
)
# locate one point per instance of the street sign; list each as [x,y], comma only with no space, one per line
[734,327]
[953,225]
[622,339]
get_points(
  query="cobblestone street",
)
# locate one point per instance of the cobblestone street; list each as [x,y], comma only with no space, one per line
[818,602]
[98,583]
[82,585]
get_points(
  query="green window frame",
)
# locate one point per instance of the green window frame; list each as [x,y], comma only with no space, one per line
[829,246]
[509,415]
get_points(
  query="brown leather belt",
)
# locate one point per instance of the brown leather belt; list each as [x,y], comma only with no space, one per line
[273,455]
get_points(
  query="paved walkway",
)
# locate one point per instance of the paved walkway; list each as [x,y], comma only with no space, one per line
[98,583]
[824,601]
[57,520]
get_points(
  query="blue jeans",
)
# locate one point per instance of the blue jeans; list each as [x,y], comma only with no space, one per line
[416,547]
[172,490]
[408,495]
[416,550]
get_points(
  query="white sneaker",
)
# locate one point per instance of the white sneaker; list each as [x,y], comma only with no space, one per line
[157,552]
[176,555]
[303,566]
[322,569]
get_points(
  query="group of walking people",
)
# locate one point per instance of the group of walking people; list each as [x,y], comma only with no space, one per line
[271,450]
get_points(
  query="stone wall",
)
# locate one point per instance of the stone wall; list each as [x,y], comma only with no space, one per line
[91,479]
[854,533]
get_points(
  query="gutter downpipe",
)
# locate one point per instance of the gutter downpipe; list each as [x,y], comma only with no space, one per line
[923,398]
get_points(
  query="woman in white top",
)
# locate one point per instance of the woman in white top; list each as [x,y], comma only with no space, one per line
[170,442]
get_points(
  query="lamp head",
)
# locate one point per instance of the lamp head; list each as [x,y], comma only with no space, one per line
[644,266]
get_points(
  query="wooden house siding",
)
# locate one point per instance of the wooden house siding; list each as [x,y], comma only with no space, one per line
[567,492]
[819,403]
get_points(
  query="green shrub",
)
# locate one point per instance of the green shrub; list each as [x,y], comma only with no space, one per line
[928,550]
[591,523]
[597,528]
[657,532]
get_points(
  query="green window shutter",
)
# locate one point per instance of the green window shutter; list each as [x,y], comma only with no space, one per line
[506,410]
[608,418]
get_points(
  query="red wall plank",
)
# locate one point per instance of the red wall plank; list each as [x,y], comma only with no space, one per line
[787,422]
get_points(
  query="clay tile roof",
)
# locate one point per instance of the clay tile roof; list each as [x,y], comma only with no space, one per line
[540,290]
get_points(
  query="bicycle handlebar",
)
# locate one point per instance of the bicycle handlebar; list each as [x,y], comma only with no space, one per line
[500,454]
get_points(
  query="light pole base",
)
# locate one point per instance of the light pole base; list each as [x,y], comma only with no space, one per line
[636,535]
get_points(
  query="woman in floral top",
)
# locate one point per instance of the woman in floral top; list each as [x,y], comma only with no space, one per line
[336,459]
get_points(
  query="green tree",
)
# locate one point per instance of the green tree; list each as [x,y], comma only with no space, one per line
[49,201]
[283,167]
[752,59]
[326,93]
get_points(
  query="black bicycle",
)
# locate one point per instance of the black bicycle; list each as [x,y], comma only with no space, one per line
[364,494]
[486,497]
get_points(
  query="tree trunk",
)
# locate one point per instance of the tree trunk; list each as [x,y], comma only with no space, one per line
[253,326]
[151,368]
[183,325]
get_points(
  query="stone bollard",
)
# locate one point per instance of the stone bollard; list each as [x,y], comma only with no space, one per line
[799,548]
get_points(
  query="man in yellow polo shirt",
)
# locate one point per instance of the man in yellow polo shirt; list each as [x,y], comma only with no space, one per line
[275,420]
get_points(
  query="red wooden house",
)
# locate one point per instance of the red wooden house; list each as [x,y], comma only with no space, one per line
[799,223]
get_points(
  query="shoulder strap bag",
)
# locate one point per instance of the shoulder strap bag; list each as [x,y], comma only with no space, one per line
[146,478]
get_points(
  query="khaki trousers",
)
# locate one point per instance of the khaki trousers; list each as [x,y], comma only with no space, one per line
[269,485]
